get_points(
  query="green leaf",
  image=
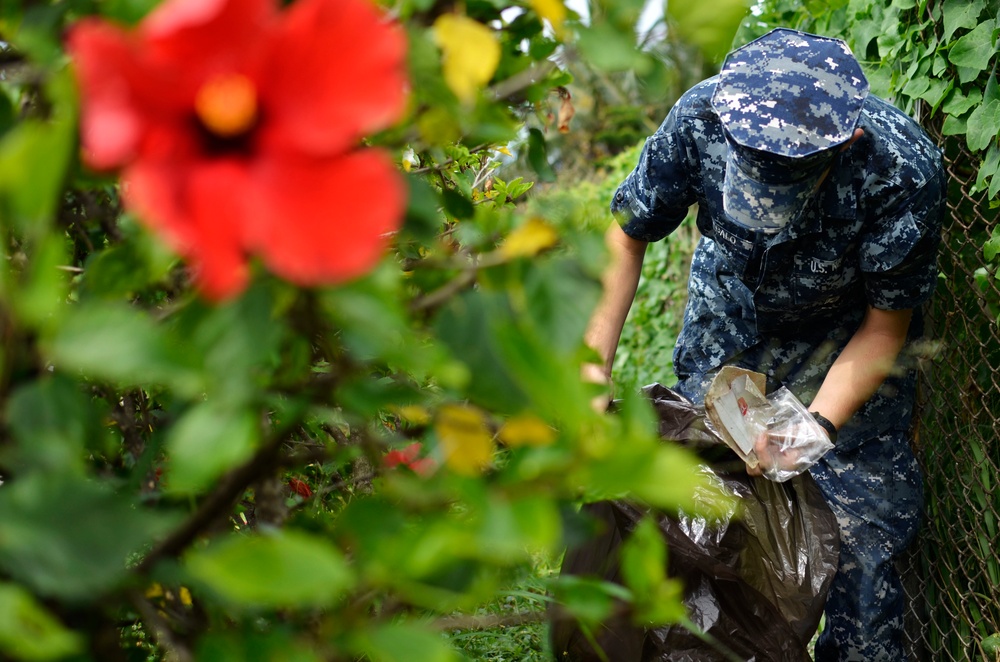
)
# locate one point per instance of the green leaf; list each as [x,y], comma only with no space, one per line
[936,92]
[606,48]
[590,601]
[988,171]
[68,537]
[560,298]
[249,645]
[644,561]
[457,204]
[236,344]
[120,344]
[538,156]
[34,156]
[373,322]
[992,246]
[405,642]
[644,556]
[51,420]
[40,297]
[127,11]
[29,632]
[959,103]
[282,569]
[515,528]
[953,126]
[8,114]
[468,327]
[991,644]
[116,272]
[975,49]
[983,125]
[708,25]
[422,217]
[961,14]
[916,86]
[207,441]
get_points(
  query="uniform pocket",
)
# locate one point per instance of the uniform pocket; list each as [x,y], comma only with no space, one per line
[818,279]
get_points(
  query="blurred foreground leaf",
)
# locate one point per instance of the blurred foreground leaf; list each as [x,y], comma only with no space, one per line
[70,537]
[29,632]
[708,25]
[278,569]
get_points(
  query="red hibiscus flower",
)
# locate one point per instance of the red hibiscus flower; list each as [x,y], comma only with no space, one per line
[409,458]
[236,125]
[300,487]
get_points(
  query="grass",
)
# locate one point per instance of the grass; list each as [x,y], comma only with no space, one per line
[518,630]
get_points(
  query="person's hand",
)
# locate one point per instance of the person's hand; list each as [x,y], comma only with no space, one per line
[789,448]
[593,373]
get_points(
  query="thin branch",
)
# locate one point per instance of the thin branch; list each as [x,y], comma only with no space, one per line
[438,167]
[521,80]
[488,621]
[228,489]
[174,651]
[446,291]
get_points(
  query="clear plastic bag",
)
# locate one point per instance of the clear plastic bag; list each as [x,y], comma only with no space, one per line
[775,432]
[790,441]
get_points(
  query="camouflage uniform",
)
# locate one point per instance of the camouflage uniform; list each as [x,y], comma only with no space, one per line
[785,299]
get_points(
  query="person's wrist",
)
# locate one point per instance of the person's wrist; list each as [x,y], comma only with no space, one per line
[826,424]
[594,373]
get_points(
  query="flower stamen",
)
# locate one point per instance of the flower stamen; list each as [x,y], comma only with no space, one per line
[227,105]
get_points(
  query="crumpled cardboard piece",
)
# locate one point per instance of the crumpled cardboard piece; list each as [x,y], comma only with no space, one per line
[732,393]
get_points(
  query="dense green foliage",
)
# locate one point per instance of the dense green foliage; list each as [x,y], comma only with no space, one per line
[314,473]
[390,468]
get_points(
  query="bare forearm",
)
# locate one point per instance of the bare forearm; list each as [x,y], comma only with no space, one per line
[620,281]
[864,364]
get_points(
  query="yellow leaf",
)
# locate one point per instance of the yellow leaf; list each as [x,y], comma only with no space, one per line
[414,414]
[185,596]
[534,236]
[465,439]
[554,11]
[527,430]
[471,54]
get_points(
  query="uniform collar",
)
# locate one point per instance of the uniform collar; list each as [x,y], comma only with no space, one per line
[836,199]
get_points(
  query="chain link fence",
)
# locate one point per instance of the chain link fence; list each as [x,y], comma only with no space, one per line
[954,578]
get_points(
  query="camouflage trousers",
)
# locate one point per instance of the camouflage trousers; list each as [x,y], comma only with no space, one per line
[876,492]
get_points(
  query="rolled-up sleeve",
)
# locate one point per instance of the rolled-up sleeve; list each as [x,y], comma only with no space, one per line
[654,198]
[898,256]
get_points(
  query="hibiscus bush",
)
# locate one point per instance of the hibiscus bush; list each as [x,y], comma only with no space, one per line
[286,369]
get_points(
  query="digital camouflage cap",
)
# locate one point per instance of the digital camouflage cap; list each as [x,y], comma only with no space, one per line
[786,101]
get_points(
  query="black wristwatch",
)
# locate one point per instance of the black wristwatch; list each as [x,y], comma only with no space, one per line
[825,423]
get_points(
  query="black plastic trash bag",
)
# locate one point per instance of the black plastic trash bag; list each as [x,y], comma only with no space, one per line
[756,584]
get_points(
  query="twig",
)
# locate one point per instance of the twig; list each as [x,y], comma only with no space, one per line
[443,293]
[447,162]
[488,621]
[521,80]
[226,492]
[161,632]
[354,480]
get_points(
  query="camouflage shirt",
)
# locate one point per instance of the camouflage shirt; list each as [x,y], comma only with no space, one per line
[785,302]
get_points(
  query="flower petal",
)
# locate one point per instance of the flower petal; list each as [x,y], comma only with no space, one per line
[326,221]
[201,210]
[193,40]
[336,73]
[111,123]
